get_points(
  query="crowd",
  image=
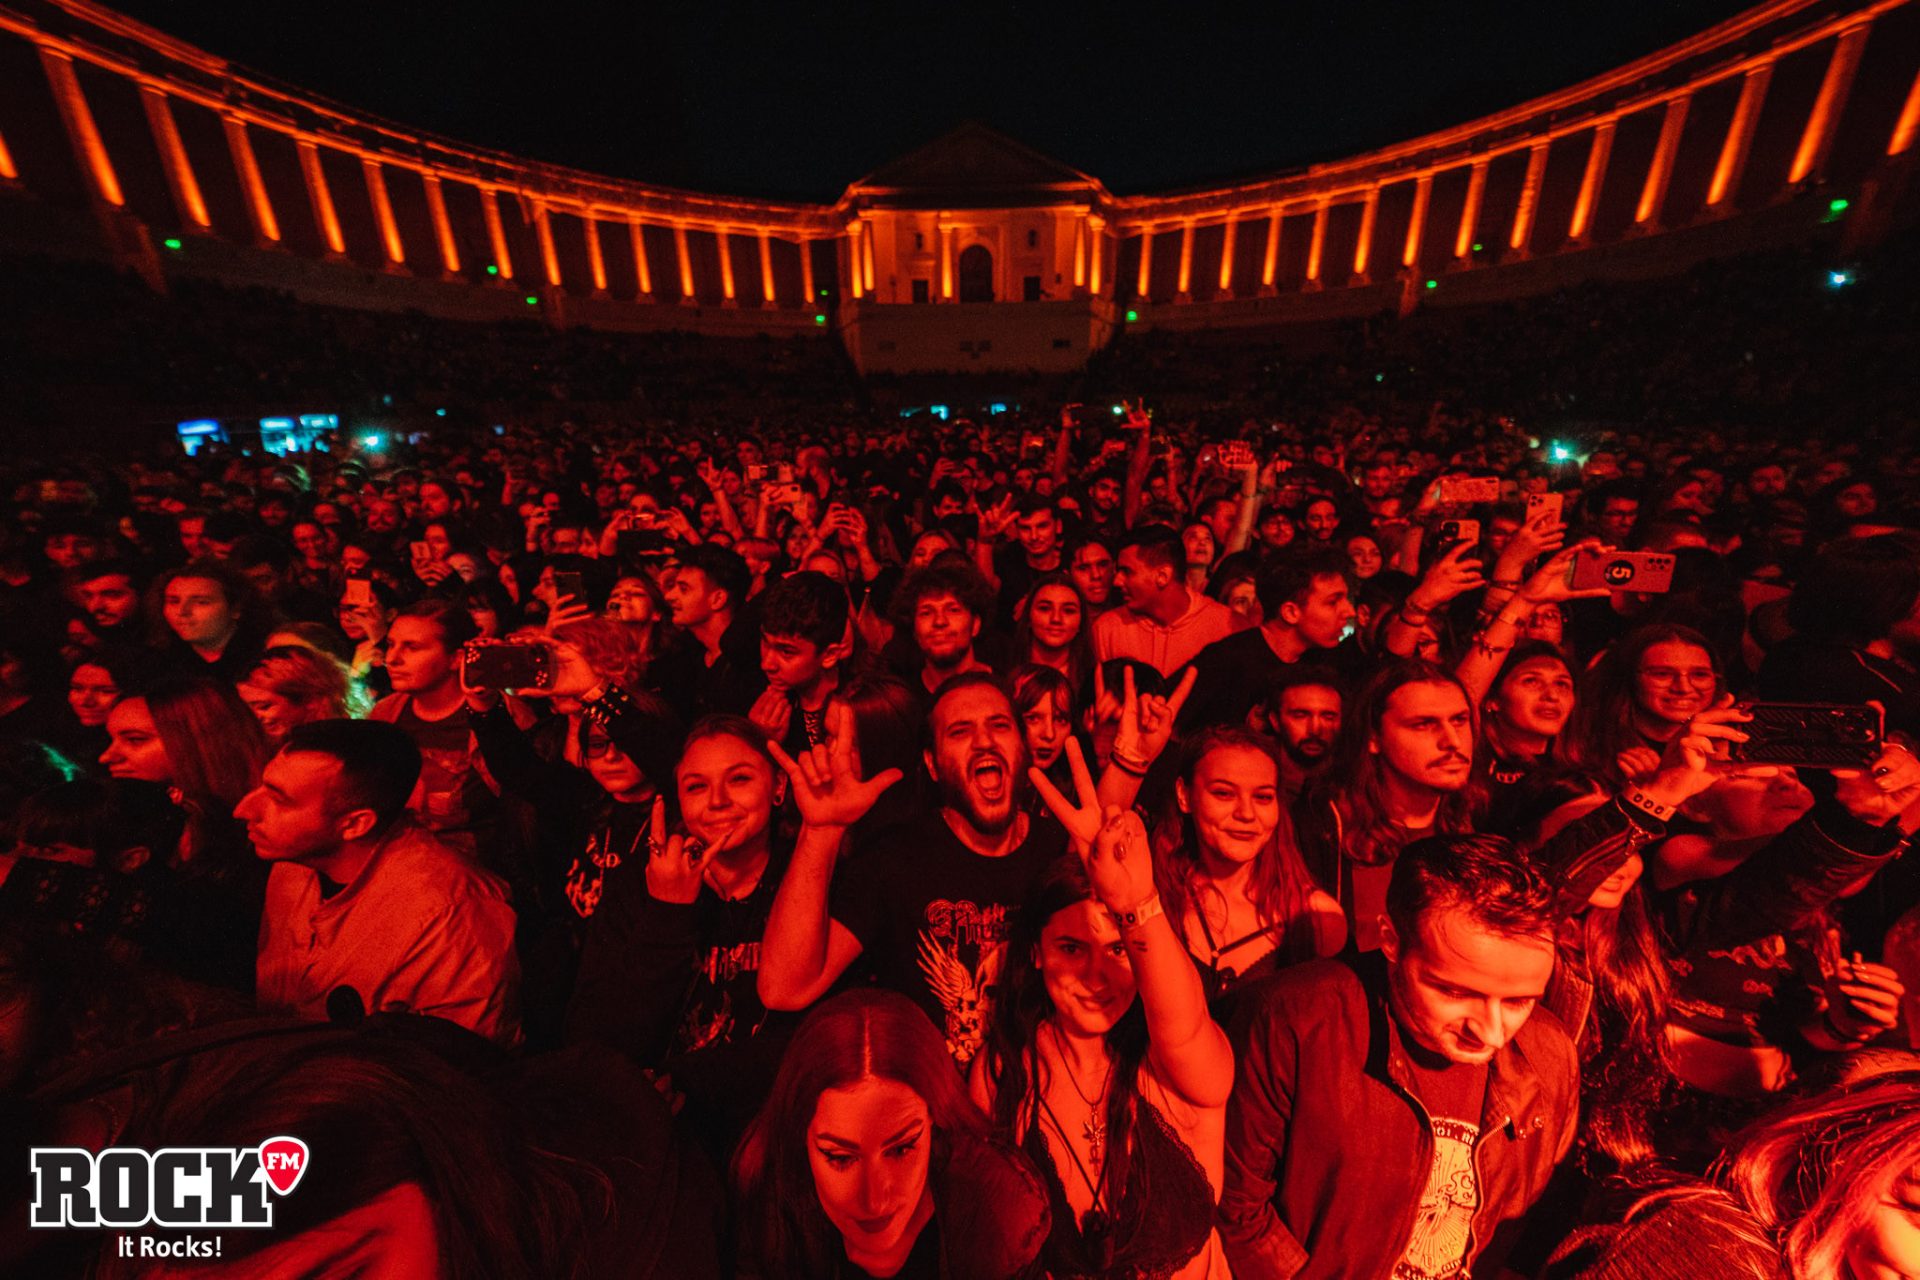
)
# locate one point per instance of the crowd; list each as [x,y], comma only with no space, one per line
[1106,844]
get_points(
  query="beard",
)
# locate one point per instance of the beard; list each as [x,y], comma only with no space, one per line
[988,817]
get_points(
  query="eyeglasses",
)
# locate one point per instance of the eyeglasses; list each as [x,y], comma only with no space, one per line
[597,748]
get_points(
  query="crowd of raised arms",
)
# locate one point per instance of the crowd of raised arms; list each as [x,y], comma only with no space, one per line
[1070,845]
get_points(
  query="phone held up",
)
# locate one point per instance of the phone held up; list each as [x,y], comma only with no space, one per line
[502,664]
[1809,735]
[1648,572]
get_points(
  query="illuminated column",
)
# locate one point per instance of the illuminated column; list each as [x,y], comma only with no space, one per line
[1812,154]
[1417,223]
[766,272]
[1903,128]
[686,264]
[853,259]
[1271,261]
[1183,292]
[383,211]
[1363,247]
[180,180]
[496,234]
[259,208]
[321,199]
[442,225]
[81,131]
[1470,211]
[866,251]
[806,272]
[1739,139]
[7,171]
[637,238]
[1590,182]
[1097,229]
[1146,262]
[596,257]
[1318,244]
[1529,201]
[946,263]
[1226,256]
[726,266]
[543,233]
[1080,251]
[1660,172]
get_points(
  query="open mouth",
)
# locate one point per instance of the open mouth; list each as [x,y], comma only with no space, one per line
[989,776]
[873,1226]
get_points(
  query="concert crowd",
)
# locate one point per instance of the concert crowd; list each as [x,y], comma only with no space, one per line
[1074,843]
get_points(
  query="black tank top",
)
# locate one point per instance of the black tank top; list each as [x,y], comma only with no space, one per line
[1164,1217]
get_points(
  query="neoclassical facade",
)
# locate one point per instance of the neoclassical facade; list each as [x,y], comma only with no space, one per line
[974,252]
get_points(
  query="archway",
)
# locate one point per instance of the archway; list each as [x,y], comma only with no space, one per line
[976,274]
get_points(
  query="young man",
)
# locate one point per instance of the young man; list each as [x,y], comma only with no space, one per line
[805,642]
[930,907]
[108,593]
[209,609]
[1393,1113]
[1302,711]
[707,594]
[1090,565]
[1162,623]
[1037,531]
[455,798]
[364,910]
[1308,604]
[941,608]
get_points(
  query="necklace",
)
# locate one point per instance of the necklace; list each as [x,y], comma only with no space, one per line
[1094,1127]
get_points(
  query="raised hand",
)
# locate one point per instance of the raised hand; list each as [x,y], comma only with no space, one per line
[826,782]
[1695,758]
[1543,534]
[996,520]
[1863,999]
[1080,815]
[1882,791]
[773,712]
[1451,576]
[562,613]
[1550,582]
[1146,722]
[1120,864]
[673,862]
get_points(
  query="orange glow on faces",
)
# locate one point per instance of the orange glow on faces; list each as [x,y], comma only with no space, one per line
[640,267]
[257,203]
[1529,197]
[321,198]
[496,234]
[80,127]
[1590,182]
[1826,107]
[1655,191]
[1417,224]
[596,260]
[186,188]
[1470,212]
[383,211]
[1733,151]
[442,227]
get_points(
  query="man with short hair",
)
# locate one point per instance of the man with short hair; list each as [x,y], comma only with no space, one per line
[707,594]
[805,641]
[1037,530]
[1090,564]
[1612,509]
[1302,711]
[364,911]
[108,593]
[456,799]
[941,608]
[1396,1114]
[1162,623]
[1307,600]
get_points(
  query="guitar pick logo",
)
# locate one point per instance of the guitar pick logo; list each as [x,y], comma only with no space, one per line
[283,1160]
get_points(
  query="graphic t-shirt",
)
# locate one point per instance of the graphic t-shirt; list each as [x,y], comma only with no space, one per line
[452,799]
[1442,1239]
[932,916]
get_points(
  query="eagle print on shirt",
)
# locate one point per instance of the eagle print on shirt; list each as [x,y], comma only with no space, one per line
[965,992]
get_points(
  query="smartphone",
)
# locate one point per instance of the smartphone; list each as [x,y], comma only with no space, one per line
[566,582]
[1648,572]
[1552,504]
[1469,490]
[1453,532]
[756,473]
[1236,455]
[502,664]
[1809,735]
[639,544]
[359,592]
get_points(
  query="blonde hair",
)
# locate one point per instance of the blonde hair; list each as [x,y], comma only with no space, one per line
[313,681]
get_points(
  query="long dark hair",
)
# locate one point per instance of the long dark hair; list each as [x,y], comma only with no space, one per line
[1012,1047]
[1079,652]
[216,750]
[1279,885]
[1602,725]
[866,1033]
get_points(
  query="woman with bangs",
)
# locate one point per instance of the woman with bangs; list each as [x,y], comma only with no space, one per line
[1054,630]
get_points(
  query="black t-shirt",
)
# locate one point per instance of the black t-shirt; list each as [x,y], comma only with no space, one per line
[1454,1096]
[931,916]
[1236,672]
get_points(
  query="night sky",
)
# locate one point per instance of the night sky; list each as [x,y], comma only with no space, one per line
[798,99]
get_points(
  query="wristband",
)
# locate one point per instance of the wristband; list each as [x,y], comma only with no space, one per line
[1127,764]
[1647,804]
[1139,915]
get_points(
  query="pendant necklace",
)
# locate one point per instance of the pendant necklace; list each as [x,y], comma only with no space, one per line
[1094,1128]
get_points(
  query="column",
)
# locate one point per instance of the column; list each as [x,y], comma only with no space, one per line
[726,266]
[1097,230]
[1184,291]
[383,211]
[259,208]
[866,251]
[1317,245]
[636,237]
[88,150]
[1739,140]
[1226,257]
[173,157]
[1529,201]
[1590,182]
[685,262]
[442,225]
[321,199]
[1270,262]
[1470,211]
[853,259]
[1903,128]
[1363,247]
[946,261]
[496,234]
[1079,251]
[1417,223]
[1146,263]
[7,170]
[1834,86]
[543,232]
[806,273]
[766,272]
[596,257]
[1660,172]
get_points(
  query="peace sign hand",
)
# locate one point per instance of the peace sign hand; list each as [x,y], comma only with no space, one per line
[1121,863]
[1081,818]
[673,862]
[827,785]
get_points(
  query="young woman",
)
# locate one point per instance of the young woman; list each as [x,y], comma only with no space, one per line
[211,618]
[1102,1061]
[1639,695]
[1227,868]
[1054,630]
[1522,716]
[1201,551]
[1235,584]
[1044,704]
[868,1159]
[1364,554]
[293,684]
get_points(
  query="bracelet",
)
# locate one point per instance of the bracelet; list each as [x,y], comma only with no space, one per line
[1138,915]
[1127,764]
[1647,804]
[1406,616]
